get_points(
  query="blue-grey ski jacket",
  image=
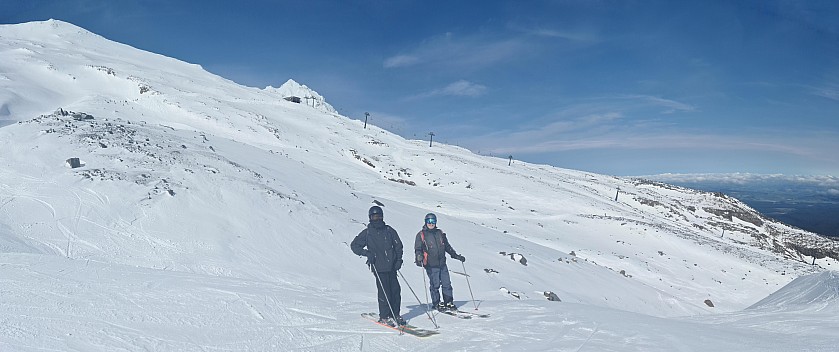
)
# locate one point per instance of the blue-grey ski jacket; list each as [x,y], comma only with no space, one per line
[431,247]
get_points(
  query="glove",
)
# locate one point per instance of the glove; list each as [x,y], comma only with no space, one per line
[419,264]
[459,257]
[371,258]
[419,260]
[397,264]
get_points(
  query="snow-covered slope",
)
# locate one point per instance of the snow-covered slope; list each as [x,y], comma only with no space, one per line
[211,214]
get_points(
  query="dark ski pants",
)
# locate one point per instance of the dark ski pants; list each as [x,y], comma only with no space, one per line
[389,291]
[439,276]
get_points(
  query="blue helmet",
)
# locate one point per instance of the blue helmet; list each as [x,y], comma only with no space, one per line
[430,218]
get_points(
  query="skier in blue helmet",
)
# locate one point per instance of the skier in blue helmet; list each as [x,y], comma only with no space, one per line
[430,249]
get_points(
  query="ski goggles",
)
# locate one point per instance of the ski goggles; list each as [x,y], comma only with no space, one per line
[431,221]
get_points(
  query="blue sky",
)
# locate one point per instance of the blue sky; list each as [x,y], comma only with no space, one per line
[614,87]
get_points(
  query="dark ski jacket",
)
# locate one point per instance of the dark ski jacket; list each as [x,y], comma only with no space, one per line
[382,241]
[432,246]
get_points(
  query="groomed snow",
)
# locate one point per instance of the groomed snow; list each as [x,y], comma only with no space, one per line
[209,216]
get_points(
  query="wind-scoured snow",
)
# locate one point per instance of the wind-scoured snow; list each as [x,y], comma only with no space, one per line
[210,216]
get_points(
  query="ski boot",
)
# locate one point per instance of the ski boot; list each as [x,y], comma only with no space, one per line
[386,321]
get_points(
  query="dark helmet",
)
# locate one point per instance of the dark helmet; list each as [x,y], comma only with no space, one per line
[430,218]
[375,210]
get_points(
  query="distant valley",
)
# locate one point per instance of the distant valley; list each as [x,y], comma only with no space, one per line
[809,203]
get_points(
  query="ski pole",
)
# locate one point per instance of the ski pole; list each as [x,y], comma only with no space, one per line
[427,304]
[418,300]
[382,286]
[470,286]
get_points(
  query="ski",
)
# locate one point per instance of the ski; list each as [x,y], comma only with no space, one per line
[455,314]
[464,314]
[408,329]
[479,315]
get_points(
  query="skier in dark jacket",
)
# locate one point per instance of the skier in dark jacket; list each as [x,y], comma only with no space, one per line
[381,245]
[430,249]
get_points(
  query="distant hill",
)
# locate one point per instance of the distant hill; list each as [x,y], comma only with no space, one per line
[807,202]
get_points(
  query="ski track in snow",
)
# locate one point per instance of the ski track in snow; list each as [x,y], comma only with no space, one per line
[173,307]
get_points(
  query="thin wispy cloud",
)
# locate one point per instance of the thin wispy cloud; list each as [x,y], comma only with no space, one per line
[670,106]
[601,118]
[593,123]
[536,142]
[401,61]
[560,130]
[829,92]
[673,105]
[580,37]
[645,123]
[571,35]
[449,50]
[461,88]
[828,87]
[604,110]
[464,88]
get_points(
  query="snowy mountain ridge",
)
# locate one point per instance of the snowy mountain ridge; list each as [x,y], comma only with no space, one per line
[197,192]
[305,94]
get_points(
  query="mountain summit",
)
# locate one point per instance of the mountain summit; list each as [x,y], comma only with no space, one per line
[146,204]
[304,94]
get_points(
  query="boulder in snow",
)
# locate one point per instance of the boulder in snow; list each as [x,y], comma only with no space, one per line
[74,163]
